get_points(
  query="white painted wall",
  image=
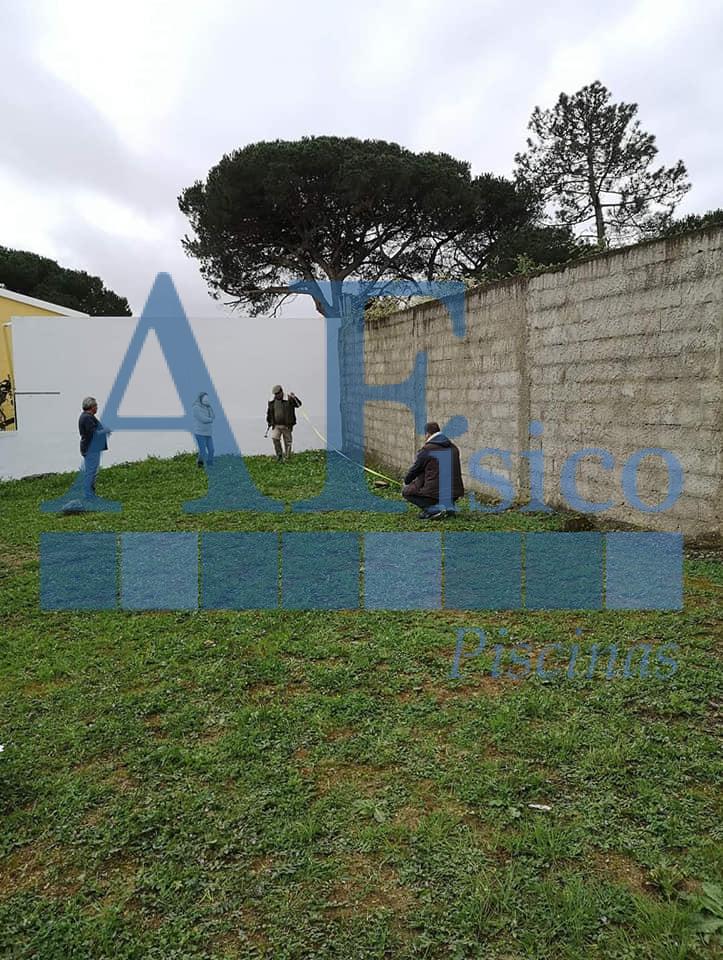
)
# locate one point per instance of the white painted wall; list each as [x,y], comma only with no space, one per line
[77,357]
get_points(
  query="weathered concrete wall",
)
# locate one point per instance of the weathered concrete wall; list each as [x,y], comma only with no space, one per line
[622,352]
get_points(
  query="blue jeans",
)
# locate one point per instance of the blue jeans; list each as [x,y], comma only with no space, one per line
[205,449]
[91,463]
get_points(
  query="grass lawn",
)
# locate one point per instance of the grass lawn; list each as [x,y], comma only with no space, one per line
[297,785]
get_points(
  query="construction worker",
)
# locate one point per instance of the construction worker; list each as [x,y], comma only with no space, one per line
[281,418]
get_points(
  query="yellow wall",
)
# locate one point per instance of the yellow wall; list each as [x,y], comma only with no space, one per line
[12,308]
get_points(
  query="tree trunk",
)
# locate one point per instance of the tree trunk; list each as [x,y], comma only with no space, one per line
[599,221]
[594,191]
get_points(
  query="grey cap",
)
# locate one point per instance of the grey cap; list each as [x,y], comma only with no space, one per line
[277,388]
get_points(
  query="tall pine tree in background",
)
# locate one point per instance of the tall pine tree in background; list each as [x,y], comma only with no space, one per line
[592,165]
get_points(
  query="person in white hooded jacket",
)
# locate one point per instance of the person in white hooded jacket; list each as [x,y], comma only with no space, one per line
[203,417]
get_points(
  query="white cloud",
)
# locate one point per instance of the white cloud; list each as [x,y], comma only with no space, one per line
[109,111]
[126,59]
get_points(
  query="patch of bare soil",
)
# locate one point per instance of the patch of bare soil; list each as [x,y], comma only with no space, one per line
[262,864]
[154,723]
[43,871]
[445,691]
[340,733]
[212,733]
[702,583]
[119,876]
[15,561]
[248,932]
[430,801]
[106,769]
[122,779]
[623,870]
[260,692]
[366,886]
[43,688]
[330,774]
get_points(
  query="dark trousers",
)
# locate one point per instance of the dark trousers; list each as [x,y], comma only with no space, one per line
[424,503]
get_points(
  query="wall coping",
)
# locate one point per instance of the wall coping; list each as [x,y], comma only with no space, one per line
[600,255]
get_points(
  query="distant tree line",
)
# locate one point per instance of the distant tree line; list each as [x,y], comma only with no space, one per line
[695,221]
[42,278]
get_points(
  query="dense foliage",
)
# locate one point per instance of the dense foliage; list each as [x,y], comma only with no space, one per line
[592,163]
[40,277]
[339,208]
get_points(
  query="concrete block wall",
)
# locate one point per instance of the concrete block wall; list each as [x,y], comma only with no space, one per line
[622,352]
[389,353]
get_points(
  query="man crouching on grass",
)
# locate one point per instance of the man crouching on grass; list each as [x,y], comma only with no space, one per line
[434,481]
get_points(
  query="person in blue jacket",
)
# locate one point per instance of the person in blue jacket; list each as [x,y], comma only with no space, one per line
[203,417]
[93,441]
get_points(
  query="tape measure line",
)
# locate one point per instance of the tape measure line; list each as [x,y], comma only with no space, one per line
[325,442]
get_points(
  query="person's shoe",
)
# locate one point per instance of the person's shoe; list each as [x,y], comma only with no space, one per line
[199,463]
[434,515]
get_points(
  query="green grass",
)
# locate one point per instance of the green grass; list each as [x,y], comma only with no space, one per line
[296,785]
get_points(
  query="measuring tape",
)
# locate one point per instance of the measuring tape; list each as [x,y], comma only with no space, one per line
[325,442]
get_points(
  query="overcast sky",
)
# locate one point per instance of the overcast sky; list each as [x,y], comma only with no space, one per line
[109,109]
